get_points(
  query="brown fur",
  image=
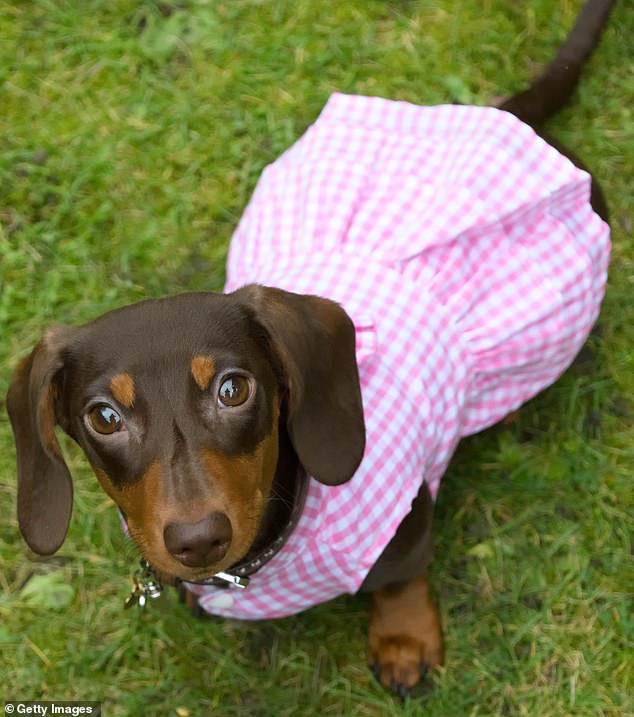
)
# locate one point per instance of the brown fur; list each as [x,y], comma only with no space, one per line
[240,485]
[122,387]
[46,419]
[144,506]
[203,370]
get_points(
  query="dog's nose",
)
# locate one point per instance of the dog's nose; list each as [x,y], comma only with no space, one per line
[201,543]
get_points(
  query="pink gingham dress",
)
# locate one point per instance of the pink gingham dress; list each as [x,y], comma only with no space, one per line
[465,250]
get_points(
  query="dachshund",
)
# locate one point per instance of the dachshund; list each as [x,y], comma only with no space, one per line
[292,431]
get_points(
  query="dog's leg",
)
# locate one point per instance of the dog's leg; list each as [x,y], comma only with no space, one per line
[190,600]
[405,637]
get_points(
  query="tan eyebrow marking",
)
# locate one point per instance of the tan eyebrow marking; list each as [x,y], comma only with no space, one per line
[203,369]
[122,387]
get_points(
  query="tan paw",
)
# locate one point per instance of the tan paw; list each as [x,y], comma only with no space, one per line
[405,636]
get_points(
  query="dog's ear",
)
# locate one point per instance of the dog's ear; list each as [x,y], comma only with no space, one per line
[314,341]
[45,491]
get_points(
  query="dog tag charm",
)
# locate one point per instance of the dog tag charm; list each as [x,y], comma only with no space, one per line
[134,598]
[145,585]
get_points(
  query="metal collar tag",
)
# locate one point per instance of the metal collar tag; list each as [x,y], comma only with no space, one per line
[146,584]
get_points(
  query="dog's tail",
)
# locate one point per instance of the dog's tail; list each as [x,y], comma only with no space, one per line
[550,92]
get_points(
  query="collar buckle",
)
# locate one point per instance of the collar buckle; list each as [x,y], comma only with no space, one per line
[235,581]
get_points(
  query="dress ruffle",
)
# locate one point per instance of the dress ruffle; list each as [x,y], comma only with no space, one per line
[467,202]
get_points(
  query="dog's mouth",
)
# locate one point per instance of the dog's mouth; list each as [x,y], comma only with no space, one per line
[275,530]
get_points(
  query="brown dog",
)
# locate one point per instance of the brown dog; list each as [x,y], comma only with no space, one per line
[200,486]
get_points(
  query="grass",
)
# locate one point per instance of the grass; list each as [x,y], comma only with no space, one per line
[131,135]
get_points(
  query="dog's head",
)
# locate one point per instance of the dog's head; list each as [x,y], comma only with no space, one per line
[177,403]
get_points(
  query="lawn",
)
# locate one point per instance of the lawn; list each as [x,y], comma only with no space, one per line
[131,136]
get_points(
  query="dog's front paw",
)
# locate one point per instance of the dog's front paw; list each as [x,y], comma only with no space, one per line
[405,637]
[401,662]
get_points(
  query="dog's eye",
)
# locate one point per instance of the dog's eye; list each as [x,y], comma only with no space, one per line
[234,391]
[104,419]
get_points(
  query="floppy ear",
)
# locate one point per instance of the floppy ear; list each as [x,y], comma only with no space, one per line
[45,491]
[314,341]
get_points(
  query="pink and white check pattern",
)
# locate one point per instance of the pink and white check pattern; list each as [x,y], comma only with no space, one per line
[466,252]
